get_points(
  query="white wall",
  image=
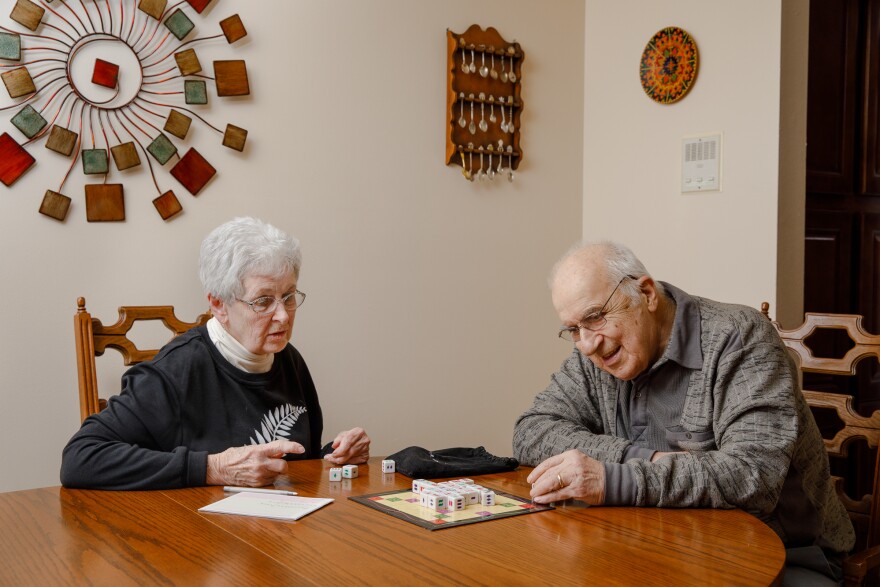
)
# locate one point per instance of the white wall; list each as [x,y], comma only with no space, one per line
[428,319]
[721,245]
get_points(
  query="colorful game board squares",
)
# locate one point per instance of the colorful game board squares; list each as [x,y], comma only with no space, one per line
[162,149]
[234,137]
[27,14]
[14,160]
[195,92]
[10,46]
[179,24]
[188,62]
[95,161]
[231,78]
[55,205]
[233,28]
[61,140]
[18,82]
[154,8]
[105,202]
[193,171]
[125,156]
[178,124]
[199,5]
[29,121]
[105,74]
[167,205]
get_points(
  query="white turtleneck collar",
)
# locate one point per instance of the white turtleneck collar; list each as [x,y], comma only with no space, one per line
[235,353]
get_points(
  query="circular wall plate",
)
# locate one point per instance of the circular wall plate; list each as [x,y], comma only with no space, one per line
[669,65]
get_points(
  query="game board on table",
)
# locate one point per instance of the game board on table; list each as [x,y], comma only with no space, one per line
[407,505]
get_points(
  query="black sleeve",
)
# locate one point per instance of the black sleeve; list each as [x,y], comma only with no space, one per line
[121,447]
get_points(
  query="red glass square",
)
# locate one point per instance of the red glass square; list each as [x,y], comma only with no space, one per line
[199,5]
[105,74]
[14,160]
[193,171]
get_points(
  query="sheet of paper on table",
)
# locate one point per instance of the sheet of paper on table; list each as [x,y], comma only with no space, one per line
[279,507]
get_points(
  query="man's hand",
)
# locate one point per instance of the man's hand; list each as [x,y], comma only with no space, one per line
[350,447]
[571,474]
[250,466]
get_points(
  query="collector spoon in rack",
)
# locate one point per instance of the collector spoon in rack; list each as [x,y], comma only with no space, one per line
[484,71]
[461,120]
[492,73]
[464,65]
[472,67]
[511,76]
[492,118]
[483,124]
[472,127]
[503,73]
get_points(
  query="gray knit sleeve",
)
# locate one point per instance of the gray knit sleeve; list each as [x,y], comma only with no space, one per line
[569,414]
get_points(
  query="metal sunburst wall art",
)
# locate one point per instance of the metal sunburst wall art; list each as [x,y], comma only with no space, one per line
[101,79]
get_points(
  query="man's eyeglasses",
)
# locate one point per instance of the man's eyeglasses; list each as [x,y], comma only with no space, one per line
[594,322]
[267,304]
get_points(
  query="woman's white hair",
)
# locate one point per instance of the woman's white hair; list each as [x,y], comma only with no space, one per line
[619,262]
[243,247]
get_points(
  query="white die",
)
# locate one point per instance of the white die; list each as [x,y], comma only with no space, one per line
[335,474]
[387,466]
[350,471]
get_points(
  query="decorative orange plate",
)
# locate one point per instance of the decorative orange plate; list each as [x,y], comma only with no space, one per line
[669,65]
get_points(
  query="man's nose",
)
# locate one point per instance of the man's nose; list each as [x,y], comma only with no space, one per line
[589,342]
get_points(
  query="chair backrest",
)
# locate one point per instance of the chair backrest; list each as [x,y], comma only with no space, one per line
[93,338]
[863,511]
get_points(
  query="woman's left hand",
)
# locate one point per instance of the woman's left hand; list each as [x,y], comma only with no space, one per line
[350,447]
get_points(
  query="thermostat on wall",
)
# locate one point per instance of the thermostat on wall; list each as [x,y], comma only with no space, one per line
[701,164]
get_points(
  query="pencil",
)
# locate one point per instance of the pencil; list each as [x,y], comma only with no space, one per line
[231,489]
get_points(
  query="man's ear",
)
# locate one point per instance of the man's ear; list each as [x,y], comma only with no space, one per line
[648,288]
[218,309]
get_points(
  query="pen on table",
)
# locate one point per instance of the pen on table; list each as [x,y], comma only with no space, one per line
[232,489]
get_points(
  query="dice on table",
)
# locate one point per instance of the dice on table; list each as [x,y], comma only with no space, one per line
[335,474]
[350,471]
[387,466]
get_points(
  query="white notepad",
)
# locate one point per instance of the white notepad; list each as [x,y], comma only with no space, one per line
[279,507]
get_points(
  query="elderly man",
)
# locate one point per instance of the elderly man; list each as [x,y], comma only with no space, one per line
[672,400]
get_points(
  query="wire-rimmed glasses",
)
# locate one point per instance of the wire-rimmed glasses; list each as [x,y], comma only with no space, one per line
[593,322]
[267,304]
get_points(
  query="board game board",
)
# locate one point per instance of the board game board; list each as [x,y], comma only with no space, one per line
[404,504]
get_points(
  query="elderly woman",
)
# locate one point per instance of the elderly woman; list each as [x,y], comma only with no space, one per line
[225,403]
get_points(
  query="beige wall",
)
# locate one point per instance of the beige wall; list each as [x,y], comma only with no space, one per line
[428,320]
[722,245]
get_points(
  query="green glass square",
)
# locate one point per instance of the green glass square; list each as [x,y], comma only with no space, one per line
[179,24]
[195,92]
[162,149]
[10,46]
[95,161]
[29,121]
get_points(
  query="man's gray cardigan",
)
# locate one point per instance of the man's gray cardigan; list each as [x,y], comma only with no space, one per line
[750,438]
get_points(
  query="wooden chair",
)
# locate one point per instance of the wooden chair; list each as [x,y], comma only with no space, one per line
[864,511]
[93,338]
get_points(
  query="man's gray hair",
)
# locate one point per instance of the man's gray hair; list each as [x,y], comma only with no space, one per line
[619,261]
[243,247]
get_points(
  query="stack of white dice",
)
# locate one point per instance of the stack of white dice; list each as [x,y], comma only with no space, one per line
[452,495]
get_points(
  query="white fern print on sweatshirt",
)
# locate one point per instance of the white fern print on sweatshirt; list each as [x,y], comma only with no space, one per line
[277,424]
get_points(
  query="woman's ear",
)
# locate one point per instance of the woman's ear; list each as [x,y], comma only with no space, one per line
[218,309]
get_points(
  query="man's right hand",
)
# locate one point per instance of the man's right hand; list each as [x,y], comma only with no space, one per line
[250,466]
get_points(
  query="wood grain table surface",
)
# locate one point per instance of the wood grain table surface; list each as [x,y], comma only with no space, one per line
[57,536]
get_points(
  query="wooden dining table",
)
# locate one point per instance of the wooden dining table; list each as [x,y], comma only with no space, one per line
[58,536]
